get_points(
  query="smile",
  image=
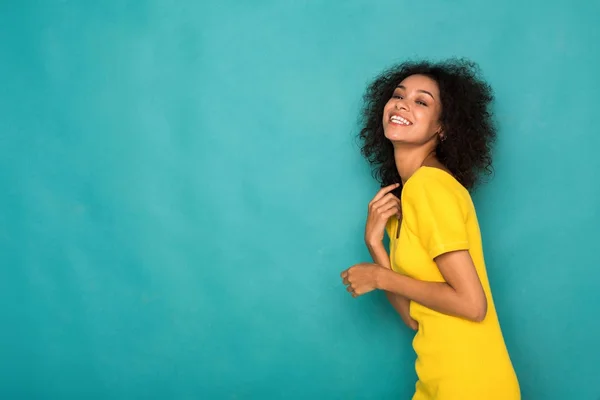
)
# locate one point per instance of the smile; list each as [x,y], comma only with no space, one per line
[396,119]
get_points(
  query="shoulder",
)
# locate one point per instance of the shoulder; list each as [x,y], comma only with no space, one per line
[431,179]
[434,187]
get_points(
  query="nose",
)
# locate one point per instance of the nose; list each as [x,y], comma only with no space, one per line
[400,105]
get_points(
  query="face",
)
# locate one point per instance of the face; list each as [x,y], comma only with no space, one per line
[412,114]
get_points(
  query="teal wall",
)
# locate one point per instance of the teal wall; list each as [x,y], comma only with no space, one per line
[181,189]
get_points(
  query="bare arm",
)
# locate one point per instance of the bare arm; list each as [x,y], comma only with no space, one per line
[461,295]
[382,207]
[400,303]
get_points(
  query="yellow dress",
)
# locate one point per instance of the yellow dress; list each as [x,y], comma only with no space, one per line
[456,359]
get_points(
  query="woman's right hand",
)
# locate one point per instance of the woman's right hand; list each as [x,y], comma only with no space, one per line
[381,208]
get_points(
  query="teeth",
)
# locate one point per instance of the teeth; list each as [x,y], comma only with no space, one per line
[399,120]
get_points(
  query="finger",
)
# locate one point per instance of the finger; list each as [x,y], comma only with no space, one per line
[384,190]
[344,274]
[386,206]
[390,212]
[383,213]
[345,281]
[350,289]
[388,195]
[386,198]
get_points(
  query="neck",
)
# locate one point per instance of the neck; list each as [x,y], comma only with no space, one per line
[409,160]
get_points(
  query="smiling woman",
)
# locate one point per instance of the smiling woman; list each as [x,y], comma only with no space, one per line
[399,123]
[428,132]
[464,117]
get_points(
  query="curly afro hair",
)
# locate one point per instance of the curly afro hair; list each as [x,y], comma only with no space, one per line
[466,119]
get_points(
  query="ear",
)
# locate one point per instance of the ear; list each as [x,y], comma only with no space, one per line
[441,134]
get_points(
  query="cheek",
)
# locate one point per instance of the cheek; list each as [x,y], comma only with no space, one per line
[426,117]
[386,110]
[387,107]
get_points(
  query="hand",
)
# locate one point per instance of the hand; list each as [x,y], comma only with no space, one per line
[381,208]
[361,278]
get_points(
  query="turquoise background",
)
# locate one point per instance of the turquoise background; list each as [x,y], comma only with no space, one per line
[182,188]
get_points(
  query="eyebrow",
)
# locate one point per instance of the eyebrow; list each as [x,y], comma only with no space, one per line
[419,90]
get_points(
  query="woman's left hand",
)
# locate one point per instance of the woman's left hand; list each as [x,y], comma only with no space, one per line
[362,278]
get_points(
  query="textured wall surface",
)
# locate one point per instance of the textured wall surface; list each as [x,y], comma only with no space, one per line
[181,189]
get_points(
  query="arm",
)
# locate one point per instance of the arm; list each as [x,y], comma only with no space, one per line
[438,218]
[381,208]
[402,306]
[461,295]
[436,212]
[400,303]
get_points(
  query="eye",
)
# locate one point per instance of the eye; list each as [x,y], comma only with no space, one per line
[396,96]
[422,103]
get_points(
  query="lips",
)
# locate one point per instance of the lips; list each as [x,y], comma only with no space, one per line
[399,120]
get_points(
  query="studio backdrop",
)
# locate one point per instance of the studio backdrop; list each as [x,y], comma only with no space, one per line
[182,186]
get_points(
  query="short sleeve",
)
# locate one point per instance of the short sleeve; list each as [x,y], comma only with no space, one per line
[435,212]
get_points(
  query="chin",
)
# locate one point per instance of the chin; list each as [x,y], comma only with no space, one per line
[394,136]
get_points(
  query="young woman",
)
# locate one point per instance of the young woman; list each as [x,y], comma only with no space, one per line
[428,132]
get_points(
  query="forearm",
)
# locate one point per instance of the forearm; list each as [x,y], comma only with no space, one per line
[438,296]
[400,303]
[379,254]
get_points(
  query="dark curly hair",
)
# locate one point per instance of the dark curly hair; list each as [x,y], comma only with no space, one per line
[466,119]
